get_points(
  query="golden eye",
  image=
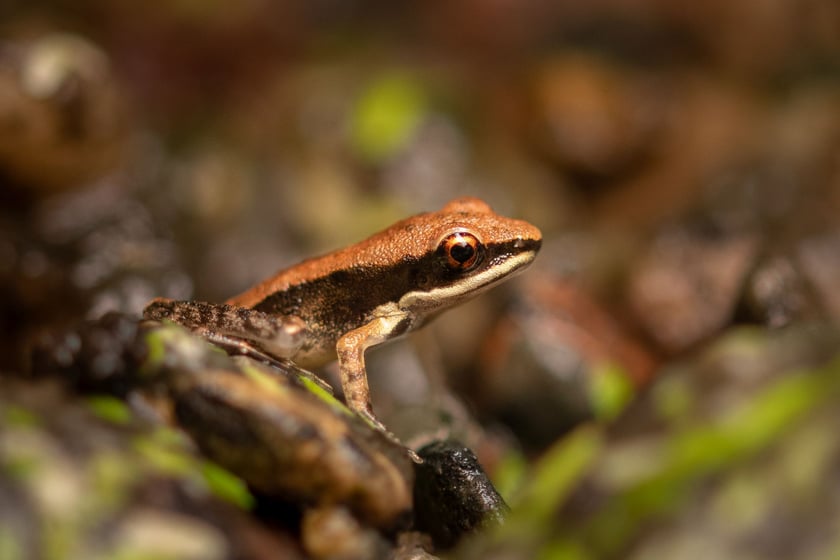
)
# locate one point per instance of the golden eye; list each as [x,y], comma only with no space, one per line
[461,251]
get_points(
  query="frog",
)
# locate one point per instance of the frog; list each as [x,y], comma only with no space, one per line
[338,305]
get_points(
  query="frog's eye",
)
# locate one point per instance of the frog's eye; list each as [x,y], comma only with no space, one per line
[461,251]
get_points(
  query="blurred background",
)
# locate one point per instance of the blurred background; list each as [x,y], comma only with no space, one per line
[662,382]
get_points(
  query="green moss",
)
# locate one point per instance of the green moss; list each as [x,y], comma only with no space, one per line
[510,474]
[609,391]
[265,381]
[563,550]
[324,395]
[155,348]
[386,116]
[112,475]
[165,453]
[133,553]
[10,546]
[226,485]
[15,416]
[20,466]
[110,409]
[673,399]
[61,538]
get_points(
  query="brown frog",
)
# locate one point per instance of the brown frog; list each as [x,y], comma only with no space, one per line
[340,304]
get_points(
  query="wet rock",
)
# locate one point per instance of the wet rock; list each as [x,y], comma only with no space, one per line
[708,125]
[595,120]
[819,259]
[97,356]
[777,294]
[275,428]
[537,370]
[453,496]
[685,288]
[332,533]
[170,534]
[287,442]
[413,545]
[79,255]
[62,119]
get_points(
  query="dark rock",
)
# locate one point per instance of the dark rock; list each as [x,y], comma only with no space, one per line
[97,356]
[686,287]
[452,494]
[777,294]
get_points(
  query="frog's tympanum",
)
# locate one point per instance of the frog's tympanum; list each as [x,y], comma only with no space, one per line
[339,304]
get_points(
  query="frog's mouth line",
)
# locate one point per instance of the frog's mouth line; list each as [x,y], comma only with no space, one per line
[470,286]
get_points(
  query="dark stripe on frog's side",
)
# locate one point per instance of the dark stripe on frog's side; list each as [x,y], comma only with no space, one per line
[345,299]
[333,313]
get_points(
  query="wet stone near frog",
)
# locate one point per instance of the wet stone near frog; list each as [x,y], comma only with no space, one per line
[99,356]
[333,533]
[290,443]
[283,435]
[453,495]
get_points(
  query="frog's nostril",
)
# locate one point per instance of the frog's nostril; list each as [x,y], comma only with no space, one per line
[527,243]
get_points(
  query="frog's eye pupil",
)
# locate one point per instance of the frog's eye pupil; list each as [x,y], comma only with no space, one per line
[461,251]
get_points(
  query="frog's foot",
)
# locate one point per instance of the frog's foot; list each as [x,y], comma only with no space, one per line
[374,422]
[234,345]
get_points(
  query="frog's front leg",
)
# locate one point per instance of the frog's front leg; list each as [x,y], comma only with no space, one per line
[233,327]
[350,349]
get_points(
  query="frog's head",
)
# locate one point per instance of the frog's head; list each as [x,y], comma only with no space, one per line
[468,248]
